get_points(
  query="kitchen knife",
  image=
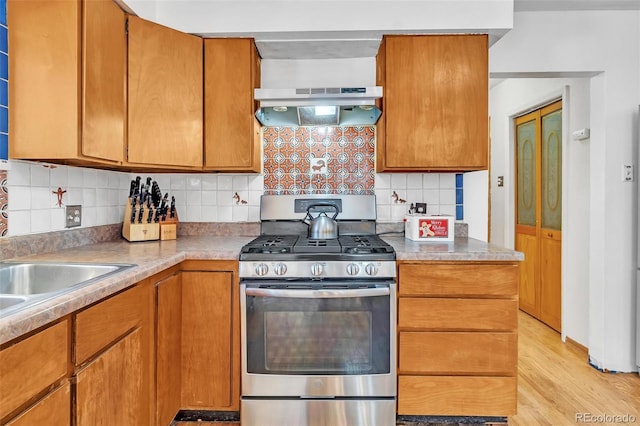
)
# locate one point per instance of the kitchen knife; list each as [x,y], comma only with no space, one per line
[156,193]
[141,213]
[150,211]
[132,188]
[172,212]
[137,184]
[133,209]
[148,182]
[143,194]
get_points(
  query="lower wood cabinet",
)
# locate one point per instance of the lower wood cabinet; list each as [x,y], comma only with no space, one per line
[457,395]
[168,347]
[457,338]
[112,387]
[114,358]
[197,339]
[210,336]
[52,409]
[29,369]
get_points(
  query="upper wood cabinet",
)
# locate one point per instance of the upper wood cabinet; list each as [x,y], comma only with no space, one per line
[435,104]
[232,134]
[165,97]
[67,87]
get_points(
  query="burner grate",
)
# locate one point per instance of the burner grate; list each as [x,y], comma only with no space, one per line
[307,245]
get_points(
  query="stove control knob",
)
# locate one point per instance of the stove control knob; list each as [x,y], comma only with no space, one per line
[316,269]
[280,268]
[353,269]
[371,269]
[261,269]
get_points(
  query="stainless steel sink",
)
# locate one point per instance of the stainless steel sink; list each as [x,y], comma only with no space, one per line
[37,278]
[7,301]
[24,284]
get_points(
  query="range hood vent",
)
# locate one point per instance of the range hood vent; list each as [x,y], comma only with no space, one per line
[319,106]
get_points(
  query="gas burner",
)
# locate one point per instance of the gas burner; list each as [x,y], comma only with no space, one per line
[307,245]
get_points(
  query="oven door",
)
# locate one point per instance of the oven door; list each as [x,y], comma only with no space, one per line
[318,339]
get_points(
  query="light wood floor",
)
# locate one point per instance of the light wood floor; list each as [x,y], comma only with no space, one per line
[556,382]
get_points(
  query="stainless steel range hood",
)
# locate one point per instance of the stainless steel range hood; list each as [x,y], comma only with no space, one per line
[324,106]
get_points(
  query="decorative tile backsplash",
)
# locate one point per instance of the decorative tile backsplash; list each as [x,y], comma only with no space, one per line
[4,204]
[203,197]
[319,160]
[211,197]
[395,192]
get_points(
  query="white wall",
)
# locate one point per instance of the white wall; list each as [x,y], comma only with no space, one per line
[348,17]
[591,42]
[510,98]
[476,204]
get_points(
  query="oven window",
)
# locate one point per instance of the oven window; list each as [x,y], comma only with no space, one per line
[318,336]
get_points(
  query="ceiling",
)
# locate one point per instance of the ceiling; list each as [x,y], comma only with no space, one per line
[550,5]
[344,36]
[273,48]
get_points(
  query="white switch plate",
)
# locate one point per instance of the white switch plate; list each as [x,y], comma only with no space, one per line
[627,172]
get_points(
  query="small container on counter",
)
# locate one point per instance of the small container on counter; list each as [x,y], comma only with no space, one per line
[422,227]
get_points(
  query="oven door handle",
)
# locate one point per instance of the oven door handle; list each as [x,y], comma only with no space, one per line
[322,294]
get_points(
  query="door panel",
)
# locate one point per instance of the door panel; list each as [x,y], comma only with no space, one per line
[539,211]
[527,182]
[551,179]
[528,245]
[550,288]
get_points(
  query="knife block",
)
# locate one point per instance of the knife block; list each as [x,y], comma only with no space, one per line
[169,228]
[139,231]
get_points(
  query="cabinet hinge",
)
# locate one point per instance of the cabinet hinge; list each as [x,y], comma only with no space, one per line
[126,26]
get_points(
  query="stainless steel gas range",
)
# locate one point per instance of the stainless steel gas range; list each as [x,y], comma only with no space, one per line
[318,317]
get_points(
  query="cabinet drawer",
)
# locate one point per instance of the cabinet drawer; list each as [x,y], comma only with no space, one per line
[458,353]
[457,314]
[455,279]
[32,365]
[53,409]
[457,396]
[101,324]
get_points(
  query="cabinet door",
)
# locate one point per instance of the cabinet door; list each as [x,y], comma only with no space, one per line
[231,72]
[165,96]
[45,36]
[207,350]
[54,409]
[435,103]
[110,390]
[114,355]
[103,80]
[31,366]
[168,348]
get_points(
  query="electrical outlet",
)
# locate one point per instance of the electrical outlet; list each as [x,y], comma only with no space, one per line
[73,216]
[627,173]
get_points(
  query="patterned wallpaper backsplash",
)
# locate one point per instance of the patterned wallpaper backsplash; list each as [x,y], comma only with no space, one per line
[319,160]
